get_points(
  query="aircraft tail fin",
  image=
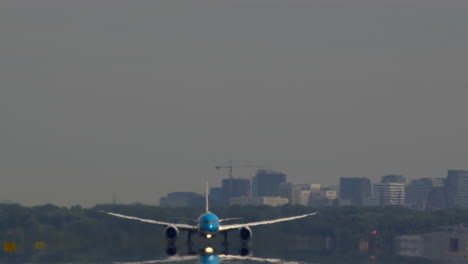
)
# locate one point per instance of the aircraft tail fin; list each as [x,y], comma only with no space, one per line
[206,198]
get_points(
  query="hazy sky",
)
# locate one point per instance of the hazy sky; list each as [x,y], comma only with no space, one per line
[141,98]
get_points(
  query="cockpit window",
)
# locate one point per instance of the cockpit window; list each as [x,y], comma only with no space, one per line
[209,221]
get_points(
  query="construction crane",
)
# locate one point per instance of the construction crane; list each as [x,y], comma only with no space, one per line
[229,167]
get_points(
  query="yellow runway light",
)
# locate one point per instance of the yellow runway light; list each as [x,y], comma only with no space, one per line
[9,247]
[39,245]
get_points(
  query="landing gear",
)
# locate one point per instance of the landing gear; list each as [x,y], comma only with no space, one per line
[208,246]
[225,239]
[171,250]
[225,243]
[189,242]
[189,237]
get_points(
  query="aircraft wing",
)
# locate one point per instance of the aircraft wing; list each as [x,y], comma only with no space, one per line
[223,257]
[257,259]
[150,221]
[171,259]
[267,222]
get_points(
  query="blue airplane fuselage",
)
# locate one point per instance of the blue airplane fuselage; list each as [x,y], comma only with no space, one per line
[208,223]
[209,259]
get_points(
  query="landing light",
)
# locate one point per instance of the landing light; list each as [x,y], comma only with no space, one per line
[208,236]
[209,250]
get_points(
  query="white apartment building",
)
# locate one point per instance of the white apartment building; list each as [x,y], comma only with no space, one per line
[301,193]
[388,193]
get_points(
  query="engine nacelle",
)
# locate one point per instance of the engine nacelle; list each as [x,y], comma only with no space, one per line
[171,233]
[245,233]
[244,251]
[171,249]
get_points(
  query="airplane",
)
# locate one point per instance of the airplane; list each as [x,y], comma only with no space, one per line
[209,225]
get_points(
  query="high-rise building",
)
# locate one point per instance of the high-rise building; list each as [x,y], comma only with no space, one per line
[456,188]
[393,178]
[302,193]
[258,201]
[328,194]
[437,198]
[218,197]
[419,190]
[356,190]
[389,193]
[266,183]
[285,190]
[326,197]
[240,187]
[182,199]
[301,197]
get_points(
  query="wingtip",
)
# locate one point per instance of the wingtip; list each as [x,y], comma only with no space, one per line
[314,213]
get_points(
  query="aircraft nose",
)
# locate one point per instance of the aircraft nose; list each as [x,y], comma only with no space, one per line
[212,227]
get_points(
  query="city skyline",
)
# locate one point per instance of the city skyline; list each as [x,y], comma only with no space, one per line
[271,188]
[242,188]
[139,99]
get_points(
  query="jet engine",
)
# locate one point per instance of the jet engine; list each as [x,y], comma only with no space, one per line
[171,233]
[171,249]
[245,233]
[244,251]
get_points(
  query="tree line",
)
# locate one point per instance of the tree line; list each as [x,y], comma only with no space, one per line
[50,233]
